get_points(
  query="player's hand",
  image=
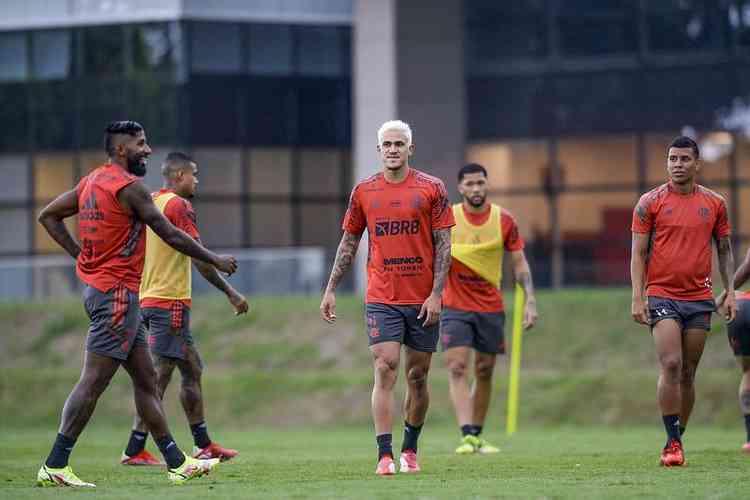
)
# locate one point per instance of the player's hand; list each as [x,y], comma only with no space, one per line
[730,308]
[430,310]
[639,309]
[328,307]
[529,315]
[226,264]
[239,302]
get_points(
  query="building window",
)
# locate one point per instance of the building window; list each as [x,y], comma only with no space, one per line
[590,27]
[320,224]
[320,51]
[320,172]
[52,55]
[13,57]
[270,172]
[678,25]
[219,223]
[215,48]
[14,178]
[157,48]
[270,224]
[270,49]
[219,171]
[14,231]
[104,51]
[53,175]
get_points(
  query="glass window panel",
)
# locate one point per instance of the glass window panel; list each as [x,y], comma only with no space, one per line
[14,178]
[43,242]
[53,175]
[93,123]
[270,224]
[677,25]
[214,118]
[324,113]
[511,165]
[498,31]
[91,159]
[320,172]
[13,109]
[270,171]
[15,230]
[51,54]
[13,57]
[103,50]
[157,48]
[215,48]
[320,224]
[155,106]
[738,20]
[599,160]
[271,111]
[219,223]
[270,51]
[219,171]
[593,27]
[320,51]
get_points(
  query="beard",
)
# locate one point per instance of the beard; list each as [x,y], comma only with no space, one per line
[135,166]
[476,201]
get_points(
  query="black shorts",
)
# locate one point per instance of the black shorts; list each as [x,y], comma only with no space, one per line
[168,330]
[397,323]
[481,331]
[116,325]
[738,331]
[690,314]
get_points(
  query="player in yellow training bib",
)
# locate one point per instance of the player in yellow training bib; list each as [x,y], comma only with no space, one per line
[165,297]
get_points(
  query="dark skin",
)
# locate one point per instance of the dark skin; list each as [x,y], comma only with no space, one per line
[182,179]
[129,153]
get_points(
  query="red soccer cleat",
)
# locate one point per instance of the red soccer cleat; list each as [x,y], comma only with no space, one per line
[409,461]
[213,450]
[746,447]
[672,455]
[386,466]
[141,458]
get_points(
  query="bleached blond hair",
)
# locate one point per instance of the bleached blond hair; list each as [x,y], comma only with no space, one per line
[402,127]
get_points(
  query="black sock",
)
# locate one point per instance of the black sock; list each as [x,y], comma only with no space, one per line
[171,452]
[385,446]
[411,435]
[672,426]
[58,457]
[682,430]
[137,443]
[747,426]
[467,429]
[200,434]
[476,430]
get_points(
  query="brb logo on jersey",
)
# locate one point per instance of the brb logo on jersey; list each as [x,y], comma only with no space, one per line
[395,227]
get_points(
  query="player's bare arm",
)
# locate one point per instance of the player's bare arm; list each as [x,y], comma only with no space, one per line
[741,276]
[522,273]
[639,253]
[238,301]
[441,241]
[344,257]
[137,198]
[52,216]
[726,264]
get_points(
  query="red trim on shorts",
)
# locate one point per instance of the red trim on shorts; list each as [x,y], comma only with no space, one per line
[119,305]
[176,310]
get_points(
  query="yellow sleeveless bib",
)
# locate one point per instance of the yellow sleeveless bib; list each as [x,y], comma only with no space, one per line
[480,248]
[167,273]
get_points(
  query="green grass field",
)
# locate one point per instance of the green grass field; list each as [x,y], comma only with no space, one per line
[326,462]
[292,393]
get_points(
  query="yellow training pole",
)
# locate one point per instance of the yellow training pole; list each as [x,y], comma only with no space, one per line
[515,362]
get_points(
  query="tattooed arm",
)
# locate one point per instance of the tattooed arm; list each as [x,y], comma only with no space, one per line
[726,264]
[522,273]
[344,258]
[52,216]
[441,241]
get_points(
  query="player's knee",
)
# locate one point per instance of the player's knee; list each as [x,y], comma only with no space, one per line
[671,365]
[688,375]
[417,376]
[385,369]
[484,370]
[457,369]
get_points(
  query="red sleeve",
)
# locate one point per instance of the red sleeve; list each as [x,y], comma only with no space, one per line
[180,212]
[643,218]
[722,228]
[355,221]
[442,211]
[511,238]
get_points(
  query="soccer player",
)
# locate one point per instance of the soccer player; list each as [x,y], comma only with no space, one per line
[112,206]
[473,317]
[408,218]
[673,228]
[165,296]
[738,332]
